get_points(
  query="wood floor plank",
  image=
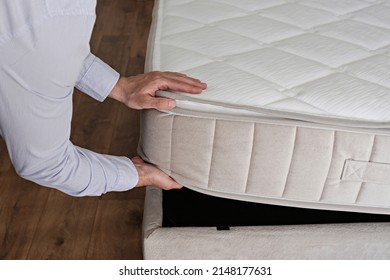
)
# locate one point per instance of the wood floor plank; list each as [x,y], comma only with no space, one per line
[92,124]
[117,232]
[21,206]
[5,162]
[141,32]
[65,228]
[125,136]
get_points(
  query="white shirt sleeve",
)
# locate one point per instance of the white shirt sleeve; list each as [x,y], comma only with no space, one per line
[44,53]
[97,78]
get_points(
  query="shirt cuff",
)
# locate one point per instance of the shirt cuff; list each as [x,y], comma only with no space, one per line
[127,174]
[97,78]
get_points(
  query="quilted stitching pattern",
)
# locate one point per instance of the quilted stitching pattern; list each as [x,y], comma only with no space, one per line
[329,58]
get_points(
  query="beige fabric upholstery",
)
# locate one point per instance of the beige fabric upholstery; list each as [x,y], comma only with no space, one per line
[328,241]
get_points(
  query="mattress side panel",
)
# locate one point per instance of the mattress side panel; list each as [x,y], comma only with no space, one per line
[309,165]
[233,142]
[372,192]
[156,138]
[270,159]
[284,164]
[187,138]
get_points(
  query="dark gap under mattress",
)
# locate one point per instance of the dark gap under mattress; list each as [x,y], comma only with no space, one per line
[184,207]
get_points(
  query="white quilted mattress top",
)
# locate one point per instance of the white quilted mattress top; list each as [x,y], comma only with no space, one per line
[324,59]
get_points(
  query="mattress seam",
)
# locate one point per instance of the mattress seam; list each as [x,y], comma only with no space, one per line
[291,161]
[250,157]
[171,146]
[278,121]
[212,153]
[293,115]
[362,184]
[330,165]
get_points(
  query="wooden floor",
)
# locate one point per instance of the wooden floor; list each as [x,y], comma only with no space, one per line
[41,223]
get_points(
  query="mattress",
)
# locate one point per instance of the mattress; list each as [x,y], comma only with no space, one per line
[297,110]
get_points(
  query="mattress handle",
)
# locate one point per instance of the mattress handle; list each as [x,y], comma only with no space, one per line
[365,171]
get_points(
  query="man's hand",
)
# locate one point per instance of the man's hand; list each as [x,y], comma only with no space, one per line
[139,92]
[150,175]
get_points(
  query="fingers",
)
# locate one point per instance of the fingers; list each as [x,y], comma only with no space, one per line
[170,81]
[139,92]
[166,183]
[178,82]
[160,103]
[149,175]
[182,78]
[176,75]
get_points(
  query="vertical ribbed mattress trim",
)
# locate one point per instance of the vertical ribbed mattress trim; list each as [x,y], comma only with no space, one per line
[260,161]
